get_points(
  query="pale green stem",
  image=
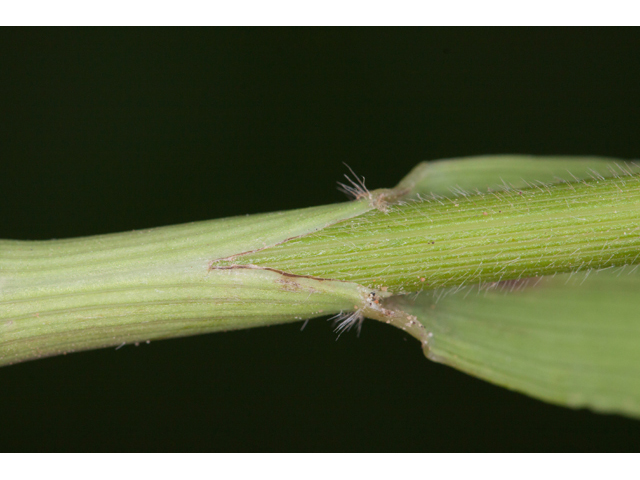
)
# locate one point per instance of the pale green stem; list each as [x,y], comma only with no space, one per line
[66,295]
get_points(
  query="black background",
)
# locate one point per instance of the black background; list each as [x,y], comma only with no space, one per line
[112,130]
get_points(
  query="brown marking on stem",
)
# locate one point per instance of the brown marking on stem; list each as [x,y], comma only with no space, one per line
[232,258]
[284,274]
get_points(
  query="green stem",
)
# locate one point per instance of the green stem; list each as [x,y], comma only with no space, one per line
[441,242]
[67,295]
[61,296]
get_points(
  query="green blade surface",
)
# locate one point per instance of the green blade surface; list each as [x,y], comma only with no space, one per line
[495,172]
[570,340]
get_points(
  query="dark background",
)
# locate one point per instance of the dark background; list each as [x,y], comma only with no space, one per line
[111,130]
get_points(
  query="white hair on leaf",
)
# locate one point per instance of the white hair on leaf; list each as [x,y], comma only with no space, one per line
[357,189]
[344,322]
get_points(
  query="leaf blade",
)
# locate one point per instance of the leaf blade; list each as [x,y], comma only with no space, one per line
[569,340]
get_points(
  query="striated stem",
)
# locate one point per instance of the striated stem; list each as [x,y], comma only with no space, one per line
[67,295]
[61,296]
[443,242]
